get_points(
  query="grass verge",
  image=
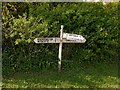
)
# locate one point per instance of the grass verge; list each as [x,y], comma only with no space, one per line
[96,75]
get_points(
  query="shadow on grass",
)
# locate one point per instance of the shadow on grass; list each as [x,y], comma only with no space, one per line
[99,75]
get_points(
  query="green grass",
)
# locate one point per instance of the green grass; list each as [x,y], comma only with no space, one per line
[96,75]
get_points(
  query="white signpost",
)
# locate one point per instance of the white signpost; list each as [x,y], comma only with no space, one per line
[47,40]
[73,37]
[64,38]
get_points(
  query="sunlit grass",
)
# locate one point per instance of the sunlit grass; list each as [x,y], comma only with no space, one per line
[84,82]
[83,77]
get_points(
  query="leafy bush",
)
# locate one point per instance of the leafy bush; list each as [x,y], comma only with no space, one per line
[96,22]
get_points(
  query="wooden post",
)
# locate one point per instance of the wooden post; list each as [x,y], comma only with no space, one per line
[60,48]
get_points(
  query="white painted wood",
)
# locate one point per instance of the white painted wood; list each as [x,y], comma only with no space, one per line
[60,48]
[65,35]
[47,40]
[74,41]
[57,40]
[73,37]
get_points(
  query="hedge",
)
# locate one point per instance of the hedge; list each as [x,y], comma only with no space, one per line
[98,23]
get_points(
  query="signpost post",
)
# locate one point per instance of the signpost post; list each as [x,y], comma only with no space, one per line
[60,48]
[64,38]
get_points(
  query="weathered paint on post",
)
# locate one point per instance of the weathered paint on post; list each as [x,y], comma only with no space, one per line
[60,48]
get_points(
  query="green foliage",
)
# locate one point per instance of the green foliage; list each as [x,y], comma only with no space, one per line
[96,22]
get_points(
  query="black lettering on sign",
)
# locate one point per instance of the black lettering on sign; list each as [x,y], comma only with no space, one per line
[45,40]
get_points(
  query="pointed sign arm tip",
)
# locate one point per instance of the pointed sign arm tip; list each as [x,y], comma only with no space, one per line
[35,40]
